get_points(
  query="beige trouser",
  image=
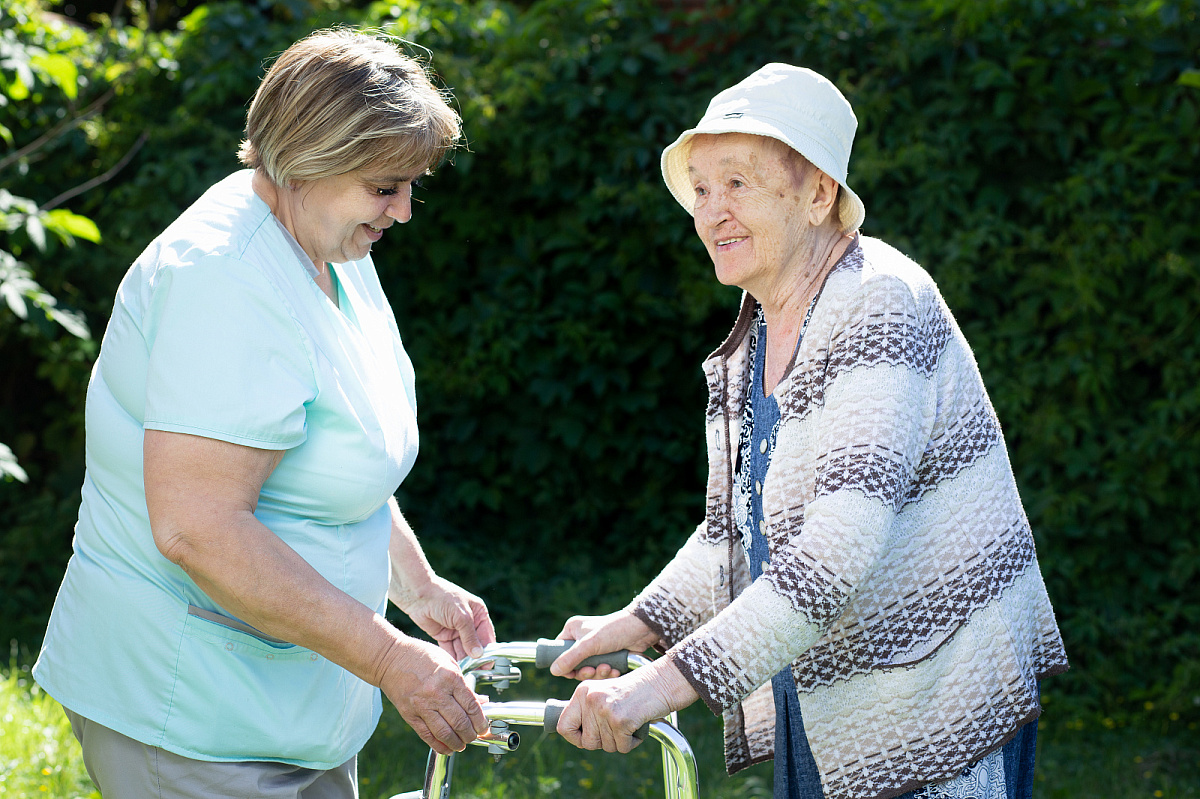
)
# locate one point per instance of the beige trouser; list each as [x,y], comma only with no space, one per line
[123,768]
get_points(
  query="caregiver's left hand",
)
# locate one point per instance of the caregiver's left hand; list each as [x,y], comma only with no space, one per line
[454,617]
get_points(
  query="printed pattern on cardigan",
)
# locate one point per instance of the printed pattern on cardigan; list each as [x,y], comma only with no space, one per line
[921,616]
[903,586]
[964,440]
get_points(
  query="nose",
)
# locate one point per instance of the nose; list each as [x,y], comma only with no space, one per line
[400,208]
[709,212]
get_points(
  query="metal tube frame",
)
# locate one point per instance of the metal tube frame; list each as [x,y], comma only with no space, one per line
[679,763]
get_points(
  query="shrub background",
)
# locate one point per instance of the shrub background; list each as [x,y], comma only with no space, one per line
[1038,158]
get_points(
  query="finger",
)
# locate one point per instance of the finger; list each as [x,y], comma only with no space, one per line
[569,724]
[605,672]
[448,641]
[472,704]
[467,640]
[564,665]
[422,731]
[572,630]
[590,736]
[452,727]
[483,624]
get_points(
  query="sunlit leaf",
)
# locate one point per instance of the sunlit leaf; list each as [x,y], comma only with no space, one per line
[36,231]
[67,224]
[61,71]
[9,469]
[71,321]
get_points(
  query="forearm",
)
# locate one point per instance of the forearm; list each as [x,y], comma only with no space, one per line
[410,570]
[265,583]
[676,602]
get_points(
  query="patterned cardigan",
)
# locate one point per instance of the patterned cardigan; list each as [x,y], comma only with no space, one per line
[903,586]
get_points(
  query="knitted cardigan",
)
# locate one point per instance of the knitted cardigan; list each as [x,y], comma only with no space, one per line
[903,586]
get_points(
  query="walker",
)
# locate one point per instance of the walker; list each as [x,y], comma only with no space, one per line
[679,764]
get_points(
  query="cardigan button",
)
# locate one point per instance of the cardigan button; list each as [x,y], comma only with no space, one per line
[762,447]
[757,487]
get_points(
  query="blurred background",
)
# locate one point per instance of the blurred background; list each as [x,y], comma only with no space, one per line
[1039,158]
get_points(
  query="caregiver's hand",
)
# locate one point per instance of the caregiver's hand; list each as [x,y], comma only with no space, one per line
[426,686]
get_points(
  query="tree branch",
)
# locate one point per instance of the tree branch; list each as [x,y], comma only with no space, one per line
[59,130]
[96,181]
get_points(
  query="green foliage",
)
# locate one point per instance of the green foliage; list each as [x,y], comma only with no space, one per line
[39,755]
[1037,157]
[34,73]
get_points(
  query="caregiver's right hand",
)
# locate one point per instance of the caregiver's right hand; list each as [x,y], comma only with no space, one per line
[427,687]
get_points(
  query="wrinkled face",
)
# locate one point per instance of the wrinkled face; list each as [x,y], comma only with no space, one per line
[750,212]
[337,219]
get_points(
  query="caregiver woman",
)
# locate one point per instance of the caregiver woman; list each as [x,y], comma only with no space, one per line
[220,631]
[863,602]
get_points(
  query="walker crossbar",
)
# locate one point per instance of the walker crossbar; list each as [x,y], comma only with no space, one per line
[679,764]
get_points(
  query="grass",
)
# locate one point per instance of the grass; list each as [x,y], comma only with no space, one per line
[1153,756]
[39,755]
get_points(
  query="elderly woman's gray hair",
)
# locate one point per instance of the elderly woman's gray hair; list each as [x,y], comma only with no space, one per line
[340,100]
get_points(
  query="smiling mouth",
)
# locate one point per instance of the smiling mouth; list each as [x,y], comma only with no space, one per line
[723,242]
[375,229]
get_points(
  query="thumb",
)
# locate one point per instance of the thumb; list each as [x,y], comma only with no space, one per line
[568,661]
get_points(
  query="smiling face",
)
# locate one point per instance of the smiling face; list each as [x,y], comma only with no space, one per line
[337,219]
[751,211]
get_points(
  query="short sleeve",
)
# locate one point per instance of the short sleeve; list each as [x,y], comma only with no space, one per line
[227,359]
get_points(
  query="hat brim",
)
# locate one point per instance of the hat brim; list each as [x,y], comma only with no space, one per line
[673,163]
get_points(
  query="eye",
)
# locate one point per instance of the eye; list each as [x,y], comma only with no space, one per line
[736,183]
[391,190]
[700,191]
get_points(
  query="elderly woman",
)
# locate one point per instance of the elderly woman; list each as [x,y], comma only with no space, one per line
[863,601]
[220,628]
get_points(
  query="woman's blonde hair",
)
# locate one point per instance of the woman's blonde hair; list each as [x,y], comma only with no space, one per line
[338,101]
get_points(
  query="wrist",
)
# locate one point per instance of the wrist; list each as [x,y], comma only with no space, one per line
[674,687]
[406,587]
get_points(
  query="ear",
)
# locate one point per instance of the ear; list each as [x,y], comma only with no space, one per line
[824,197]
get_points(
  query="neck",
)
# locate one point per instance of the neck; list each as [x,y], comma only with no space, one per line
[784,311]
[279,202]
[786,303]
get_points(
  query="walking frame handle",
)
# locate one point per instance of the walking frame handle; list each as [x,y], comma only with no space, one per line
[494,667]
[555,707]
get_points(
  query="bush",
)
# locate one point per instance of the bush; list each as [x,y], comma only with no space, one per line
[1037,157]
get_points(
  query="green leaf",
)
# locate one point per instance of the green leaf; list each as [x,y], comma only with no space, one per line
[14,298]
[60,70]
[36,231]
[71,321]
[9,470]
[68,224]
[18,90]
[1190,77]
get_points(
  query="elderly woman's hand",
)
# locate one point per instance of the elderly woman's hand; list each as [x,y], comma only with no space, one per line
[604,714]
[599,635]
[428,689]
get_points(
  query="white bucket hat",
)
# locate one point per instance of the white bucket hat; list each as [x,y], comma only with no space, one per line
[792,104]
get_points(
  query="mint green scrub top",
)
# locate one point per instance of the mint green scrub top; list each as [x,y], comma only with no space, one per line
[219,331]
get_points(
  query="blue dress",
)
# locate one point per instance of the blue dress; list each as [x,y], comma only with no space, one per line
[1007,774]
